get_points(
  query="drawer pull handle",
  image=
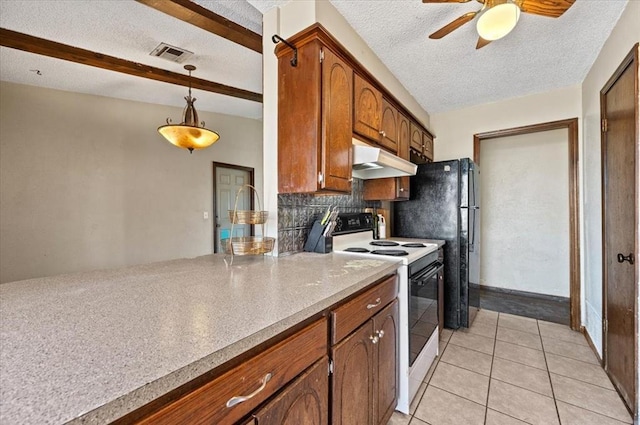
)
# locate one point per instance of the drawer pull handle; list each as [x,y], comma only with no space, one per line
[377,303]
[241,399]
[374,339]
[380,333]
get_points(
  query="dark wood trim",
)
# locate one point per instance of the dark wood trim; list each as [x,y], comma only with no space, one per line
[574,198]
[631,59]
[545,297]
[317,31]
[251,182]
[201,17]
[40,46]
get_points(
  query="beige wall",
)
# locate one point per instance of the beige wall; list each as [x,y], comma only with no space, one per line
[620,42]
[86,182]
[455,129]
[525,215]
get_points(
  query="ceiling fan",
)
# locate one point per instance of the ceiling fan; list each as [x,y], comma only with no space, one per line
[496,18]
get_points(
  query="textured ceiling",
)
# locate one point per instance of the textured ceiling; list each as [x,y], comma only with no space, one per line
[130,30]
[541,54]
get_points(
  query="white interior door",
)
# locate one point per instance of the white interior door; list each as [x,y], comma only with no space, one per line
[228,182]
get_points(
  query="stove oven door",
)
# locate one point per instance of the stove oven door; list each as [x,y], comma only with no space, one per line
[423,307]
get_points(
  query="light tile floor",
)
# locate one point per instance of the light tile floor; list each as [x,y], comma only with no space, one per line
[512,370]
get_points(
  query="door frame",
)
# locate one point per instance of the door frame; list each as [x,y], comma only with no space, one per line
[574,199]
[630,60]
[217,165]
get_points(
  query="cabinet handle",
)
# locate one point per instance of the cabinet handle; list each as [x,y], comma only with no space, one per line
[374,339]
[382,133]
[377,303]
[402,189]
[242,398]
[380,333]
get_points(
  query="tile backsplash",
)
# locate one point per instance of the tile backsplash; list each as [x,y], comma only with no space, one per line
[298,211]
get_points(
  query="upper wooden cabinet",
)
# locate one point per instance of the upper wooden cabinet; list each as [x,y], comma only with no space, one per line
[322,103]
[393,188]
[314,121]
[389,127]
[421,145]
[367,109]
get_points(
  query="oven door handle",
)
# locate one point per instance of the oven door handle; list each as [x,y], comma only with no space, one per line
[436,267]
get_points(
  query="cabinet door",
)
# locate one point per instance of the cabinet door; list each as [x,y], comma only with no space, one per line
[303,402]
[404,139]
[416,138]
[352,387]
[367,104]
[337,112]
[428,145]
[389,127]
[386,388]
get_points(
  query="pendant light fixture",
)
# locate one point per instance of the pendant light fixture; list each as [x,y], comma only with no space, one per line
[189,134]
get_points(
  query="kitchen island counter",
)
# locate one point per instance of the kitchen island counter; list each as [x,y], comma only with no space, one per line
[91,347]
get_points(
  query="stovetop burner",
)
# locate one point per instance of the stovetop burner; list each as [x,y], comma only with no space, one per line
[384,243]
[414,245]
[356,249]
[392,252]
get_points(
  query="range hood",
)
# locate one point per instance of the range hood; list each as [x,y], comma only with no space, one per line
[375,163]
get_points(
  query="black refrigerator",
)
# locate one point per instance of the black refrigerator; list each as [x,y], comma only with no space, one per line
[445,204]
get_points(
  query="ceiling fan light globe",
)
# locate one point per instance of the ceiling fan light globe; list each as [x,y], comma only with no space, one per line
[498,21]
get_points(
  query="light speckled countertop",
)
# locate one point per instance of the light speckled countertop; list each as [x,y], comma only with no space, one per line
[91,347]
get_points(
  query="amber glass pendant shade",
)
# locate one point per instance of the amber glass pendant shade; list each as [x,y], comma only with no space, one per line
[189,134]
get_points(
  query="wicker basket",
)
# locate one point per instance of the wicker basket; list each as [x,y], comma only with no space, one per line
[248,245]
[248,216]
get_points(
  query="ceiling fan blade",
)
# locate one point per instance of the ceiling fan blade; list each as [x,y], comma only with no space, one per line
[549,8]
[445,1]
[453,25]
[481,43]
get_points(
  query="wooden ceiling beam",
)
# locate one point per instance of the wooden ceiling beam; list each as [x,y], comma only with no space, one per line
[190,12]
[40,46]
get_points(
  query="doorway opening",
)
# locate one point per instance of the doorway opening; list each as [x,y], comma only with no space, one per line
[572,198]
[227,181]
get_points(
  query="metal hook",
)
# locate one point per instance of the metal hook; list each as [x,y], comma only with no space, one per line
[294,61]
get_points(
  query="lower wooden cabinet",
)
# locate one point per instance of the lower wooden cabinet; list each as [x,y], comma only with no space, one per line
[289,382]
[304,402]
[389,189]
[365,377]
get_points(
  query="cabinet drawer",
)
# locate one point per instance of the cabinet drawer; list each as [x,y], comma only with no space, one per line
[352,314]
[283,361]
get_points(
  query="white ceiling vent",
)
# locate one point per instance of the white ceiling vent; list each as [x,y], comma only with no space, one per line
[172,53]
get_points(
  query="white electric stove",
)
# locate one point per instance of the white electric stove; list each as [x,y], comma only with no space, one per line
[418,298]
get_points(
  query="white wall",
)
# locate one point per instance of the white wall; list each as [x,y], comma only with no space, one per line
[525,214]
[622,38]
[86,182]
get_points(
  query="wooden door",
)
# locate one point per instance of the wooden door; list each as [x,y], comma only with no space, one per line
[367,104]
[337,112]
[619,103]
[385,396]
[389,127]
[303,402]
[228,181]
[352,387]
